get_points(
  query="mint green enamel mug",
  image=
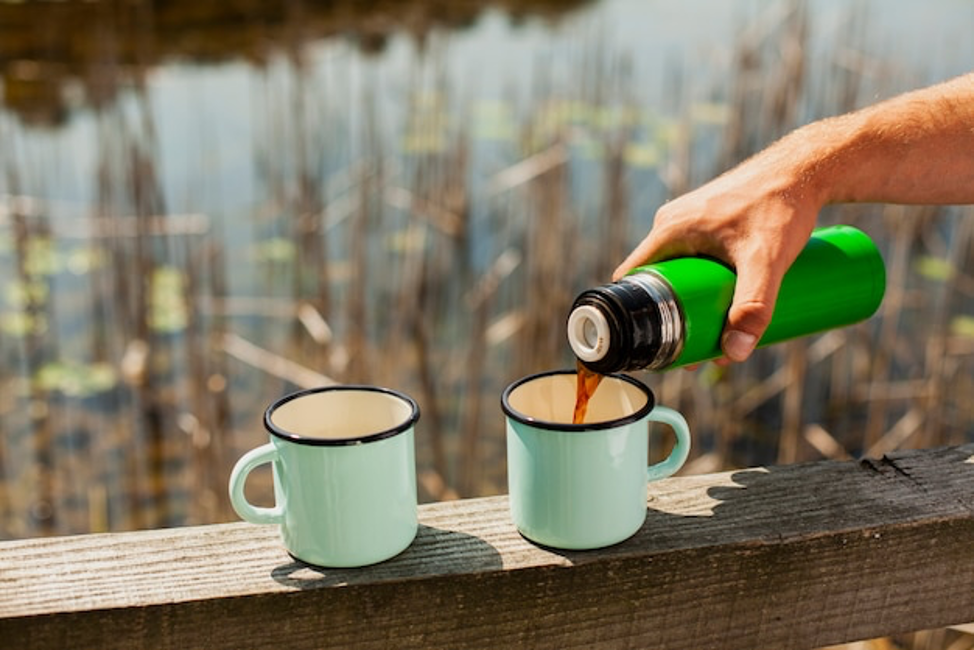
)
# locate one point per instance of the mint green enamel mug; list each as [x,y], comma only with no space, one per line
[344,468]
[583,486]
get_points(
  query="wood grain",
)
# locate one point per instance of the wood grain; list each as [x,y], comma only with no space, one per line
[781,557]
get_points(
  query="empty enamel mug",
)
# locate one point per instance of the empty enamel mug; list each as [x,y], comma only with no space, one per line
[583,486]
[344,474]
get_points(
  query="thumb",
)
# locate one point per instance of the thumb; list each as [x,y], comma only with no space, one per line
[751,310]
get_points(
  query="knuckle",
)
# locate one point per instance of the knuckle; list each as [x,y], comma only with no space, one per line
[751,315]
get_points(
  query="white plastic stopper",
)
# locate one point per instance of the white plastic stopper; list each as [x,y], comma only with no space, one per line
[588,333]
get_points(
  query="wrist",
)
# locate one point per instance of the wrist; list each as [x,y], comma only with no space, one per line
[820,156]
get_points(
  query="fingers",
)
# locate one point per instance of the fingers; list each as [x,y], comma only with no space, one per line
[754,295]
[738,344]
[646,252]
[751,309]
[634,259]
[664,241]
[759,265]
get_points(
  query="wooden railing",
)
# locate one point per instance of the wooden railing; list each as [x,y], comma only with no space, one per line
[781,557]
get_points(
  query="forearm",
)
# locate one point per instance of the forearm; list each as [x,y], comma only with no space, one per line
[913,148]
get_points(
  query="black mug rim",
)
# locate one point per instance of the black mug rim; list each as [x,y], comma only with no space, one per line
[289,436]
[517,416]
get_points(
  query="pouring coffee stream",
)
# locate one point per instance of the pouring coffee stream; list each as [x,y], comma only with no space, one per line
[588,381]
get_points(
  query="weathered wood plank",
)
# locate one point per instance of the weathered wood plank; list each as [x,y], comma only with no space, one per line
[783,557]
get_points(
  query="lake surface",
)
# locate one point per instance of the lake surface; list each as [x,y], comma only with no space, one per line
[200,212]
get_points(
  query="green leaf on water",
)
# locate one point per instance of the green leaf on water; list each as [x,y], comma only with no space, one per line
[642,154]
[666,133]
[424,141]
[20,294]
[75,379]
[557,114]
[710,374]
[710,113]
[428,127]
[962,325]
[588,148]
[167,310]
[42,257]
[20,324]
[407,240]
[615,117]
[933,268]
[494,121]
[83,260]
[275,249]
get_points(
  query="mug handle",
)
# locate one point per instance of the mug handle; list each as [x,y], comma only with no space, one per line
[681,450]
[238,477]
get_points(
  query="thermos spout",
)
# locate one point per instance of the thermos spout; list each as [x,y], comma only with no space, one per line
[588,333]
[633,323]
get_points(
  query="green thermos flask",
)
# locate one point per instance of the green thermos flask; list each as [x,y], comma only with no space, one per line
[672,313]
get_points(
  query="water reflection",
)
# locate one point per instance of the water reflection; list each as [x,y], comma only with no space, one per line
[53,52]
[210,209]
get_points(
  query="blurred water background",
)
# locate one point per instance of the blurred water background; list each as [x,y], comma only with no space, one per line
[205,205]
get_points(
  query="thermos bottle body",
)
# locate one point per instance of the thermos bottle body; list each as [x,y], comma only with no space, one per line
[672,313]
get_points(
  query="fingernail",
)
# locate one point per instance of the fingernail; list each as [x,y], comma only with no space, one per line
[738,345]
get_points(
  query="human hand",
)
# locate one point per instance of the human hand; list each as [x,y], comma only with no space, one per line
[756,218]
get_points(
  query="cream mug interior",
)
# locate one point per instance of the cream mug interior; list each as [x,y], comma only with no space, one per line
[340,415]
[551,399]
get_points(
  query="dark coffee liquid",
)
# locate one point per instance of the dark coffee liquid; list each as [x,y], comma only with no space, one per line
[588,381]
